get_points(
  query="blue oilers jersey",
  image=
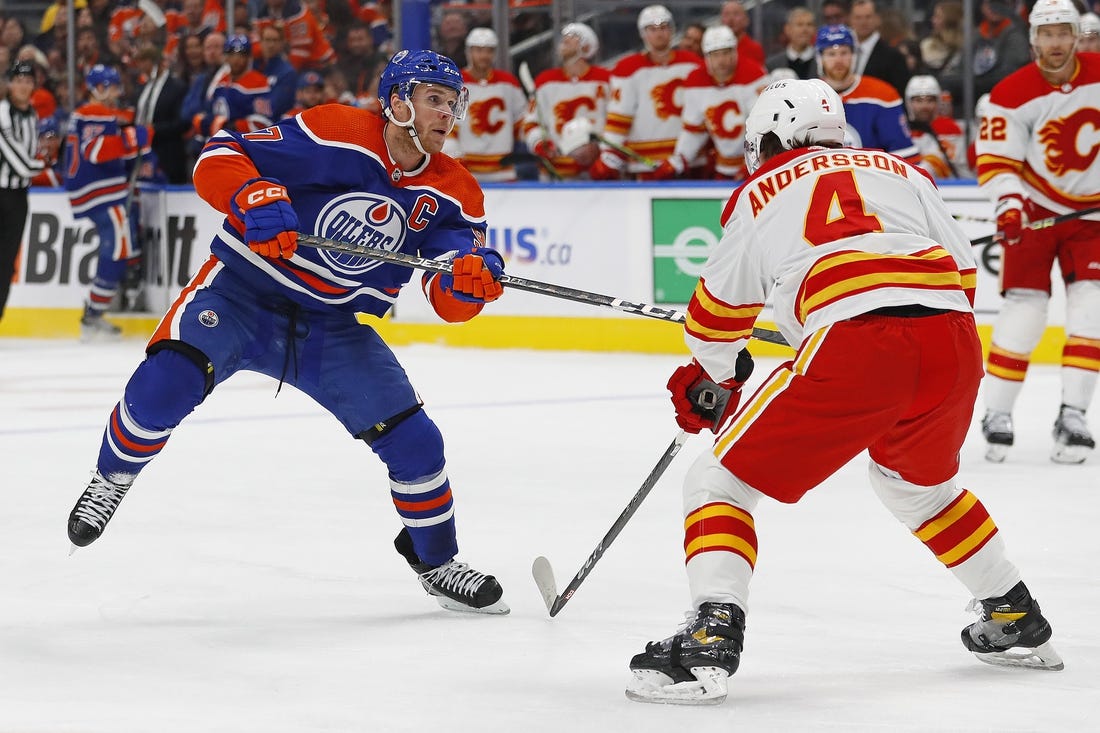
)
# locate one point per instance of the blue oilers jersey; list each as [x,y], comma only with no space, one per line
[343,186]
[876,118]
[97,160]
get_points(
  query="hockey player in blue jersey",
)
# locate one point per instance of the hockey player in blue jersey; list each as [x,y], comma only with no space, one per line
[102,145]
[240,96]
[263,304]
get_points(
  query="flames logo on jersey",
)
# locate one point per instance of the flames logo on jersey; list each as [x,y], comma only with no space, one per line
[1063,139]
[362,218]
[664,99]
[480,115]
[568,109]
[725,120]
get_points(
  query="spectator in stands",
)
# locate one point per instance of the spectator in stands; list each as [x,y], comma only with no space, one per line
[273,64]
[835,12]
[938,138]
[310,93]
[494,116]
[451,37]
[160,104]
[874,56]
[1000,48]
[692,39]
[572,95]
[717,99]
[359,61]
[89,53]
[799,56]
[56,8]
[941,49]
[308,47]
[643,116]
[190,62]
[195,20]
[1089,39]
[12,34]
[736,18]
[201,87]
[874,111]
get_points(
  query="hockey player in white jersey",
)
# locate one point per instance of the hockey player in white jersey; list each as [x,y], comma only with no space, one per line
[717,99]
[1036,159]
[646,101]
[575,94]
[872,281]
[495,115]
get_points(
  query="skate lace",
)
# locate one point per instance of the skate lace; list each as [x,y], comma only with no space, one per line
[1073,422]
[456,576]
[997,422]
[98,502]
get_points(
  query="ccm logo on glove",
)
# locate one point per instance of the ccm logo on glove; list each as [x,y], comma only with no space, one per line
[270,223]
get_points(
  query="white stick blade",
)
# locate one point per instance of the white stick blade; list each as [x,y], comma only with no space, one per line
[544,579]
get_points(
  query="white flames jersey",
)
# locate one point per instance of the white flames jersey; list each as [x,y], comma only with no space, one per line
[1042,143]
[827,235]
[491,127]
[718,111]
[560,98]
[646,103]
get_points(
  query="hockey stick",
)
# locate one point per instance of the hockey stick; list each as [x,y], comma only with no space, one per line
[528,83]
[520,283]
[1043,223]
[544,574]
[624,150]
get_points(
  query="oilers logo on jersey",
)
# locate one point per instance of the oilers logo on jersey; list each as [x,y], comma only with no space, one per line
[361,218]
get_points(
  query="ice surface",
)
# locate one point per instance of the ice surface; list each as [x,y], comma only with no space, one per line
[248,582]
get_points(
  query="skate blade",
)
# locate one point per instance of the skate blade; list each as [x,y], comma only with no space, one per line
[1041,657]
[1069,454]
[500,608]
[710,687]
[996,452]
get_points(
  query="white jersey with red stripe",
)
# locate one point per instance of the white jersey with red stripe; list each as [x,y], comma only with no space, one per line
[1040,142]
[560,98]
[827,235]
[491,127]
[646,103]
[718,111]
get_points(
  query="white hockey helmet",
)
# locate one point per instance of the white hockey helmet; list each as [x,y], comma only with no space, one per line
[1090,24]
[922,85]
[654,15]
[718,37]
[590,42]
[798,111]
[1053,12]
[576,133]
[481,38]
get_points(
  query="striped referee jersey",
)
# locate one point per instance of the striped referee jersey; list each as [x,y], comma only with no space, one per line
[18,144]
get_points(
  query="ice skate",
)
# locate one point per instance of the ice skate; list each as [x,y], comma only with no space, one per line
[95,508]
[454,585]
[1011,632]
[997,429]
[1072,439]
[693,666]
[94,327]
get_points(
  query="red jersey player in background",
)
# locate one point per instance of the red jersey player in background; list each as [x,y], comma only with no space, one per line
[939,139]
[717,99]
[574,93]
[1034,161]
[646,99]
[872,281]
[495,117]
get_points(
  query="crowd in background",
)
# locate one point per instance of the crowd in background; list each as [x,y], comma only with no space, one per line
[317,51]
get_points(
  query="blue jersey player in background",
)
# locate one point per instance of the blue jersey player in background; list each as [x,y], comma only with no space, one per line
[263,304]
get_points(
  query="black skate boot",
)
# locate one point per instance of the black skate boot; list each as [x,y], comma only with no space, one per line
[94,327]
[95,508]
[1011,632]
[997,429]
[454,585]
[692,666]
[1072,439]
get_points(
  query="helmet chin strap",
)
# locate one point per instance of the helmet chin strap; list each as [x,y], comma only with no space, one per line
[408,125]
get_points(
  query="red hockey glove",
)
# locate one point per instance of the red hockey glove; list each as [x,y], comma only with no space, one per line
[670,168]
[700,402]
[475,276]
[270,224]
[601,171]
[1010,220]
[546,149]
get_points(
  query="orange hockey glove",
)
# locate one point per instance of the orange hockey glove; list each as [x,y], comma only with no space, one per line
[475,276]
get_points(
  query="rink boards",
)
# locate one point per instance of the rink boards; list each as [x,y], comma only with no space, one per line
[642,243]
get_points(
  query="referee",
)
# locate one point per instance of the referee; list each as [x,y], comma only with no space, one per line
[18,142]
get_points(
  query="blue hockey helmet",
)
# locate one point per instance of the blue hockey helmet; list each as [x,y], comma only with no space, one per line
[239,43]
[408,68]
[100,75]
[834,35]
[48,126]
